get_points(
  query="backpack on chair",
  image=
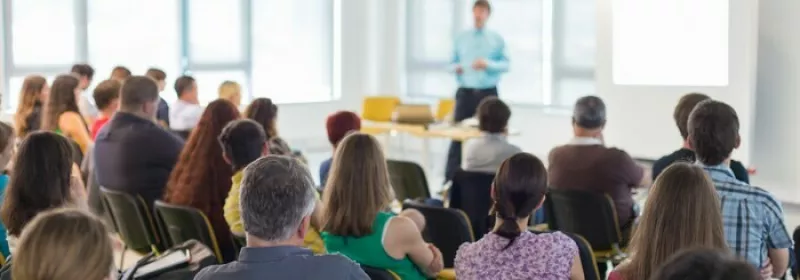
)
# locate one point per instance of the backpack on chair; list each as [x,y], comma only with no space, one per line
[180,262]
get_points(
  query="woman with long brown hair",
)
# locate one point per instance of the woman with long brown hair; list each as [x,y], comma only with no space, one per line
[29,110]
[264,112]
[682,212]
[201,178]
[356,223]
[61,113]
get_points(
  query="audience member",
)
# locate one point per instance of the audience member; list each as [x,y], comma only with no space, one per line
[29,110]
[106,97]
[163,108]
[186,112]
[264,112]
[277,201]
[231,91]
[42,179]
[7,148]
[64,244]
[682,212]
[705,264]
[510,251]
[201,178]
[120,74]
[586,164]
[133,154]
[85,74]
[486,153]
[244,141]
[753,219]
[61,113]
[356,222]
[681,116]
[339,125]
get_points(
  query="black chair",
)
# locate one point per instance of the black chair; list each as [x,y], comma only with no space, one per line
[133,221]
[183,134]
[408,180]
[77,154]
[590,215]
[796,267]
[379,273]
[471,192]
[186,223]
[446,228]
[588,261]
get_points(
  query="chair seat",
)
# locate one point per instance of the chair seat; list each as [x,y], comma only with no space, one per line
[447,274]
[612,255]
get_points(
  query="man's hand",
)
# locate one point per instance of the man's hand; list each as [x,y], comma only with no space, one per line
[479,64]
[766,271]
[459,70]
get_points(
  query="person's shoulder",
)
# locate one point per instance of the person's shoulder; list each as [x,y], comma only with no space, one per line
[337,265]
[218,272]
[764,196]
[561,240]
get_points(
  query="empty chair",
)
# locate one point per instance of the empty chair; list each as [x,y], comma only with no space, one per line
[589,215]
[408,180]
[133,221]
[471,192]
[185,223]
[446,228]
[379,273]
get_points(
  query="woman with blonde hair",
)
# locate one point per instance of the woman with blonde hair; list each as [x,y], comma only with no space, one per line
[29,110]
[682,212]
[231,91]
[64,244]
[357,224]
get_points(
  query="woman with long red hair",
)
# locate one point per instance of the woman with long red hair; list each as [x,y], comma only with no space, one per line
[201,178]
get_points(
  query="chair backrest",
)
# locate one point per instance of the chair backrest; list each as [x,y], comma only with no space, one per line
[185,223]
[446,228]
[590,215]
[471,192]
[379,273]
[796,238]
[133,220]
[408,180]
[183,134]
[588,261]
[379,108]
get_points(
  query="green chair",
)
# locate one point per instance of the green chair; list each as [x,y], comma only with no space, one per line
[186,223]
[408,180]
[133,221]
[447,228]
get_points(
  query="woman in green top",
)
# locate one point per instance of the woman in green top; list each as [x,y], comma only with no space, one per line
[356,196]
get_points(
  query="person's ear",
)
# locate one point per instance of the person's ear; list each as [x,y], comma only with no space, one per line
[303,228]
[689,142]
[265,149]
[226,158]
[491,192]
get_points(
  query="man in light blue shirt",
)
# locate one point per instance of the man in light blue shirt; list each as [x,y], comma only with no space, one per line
[478,61]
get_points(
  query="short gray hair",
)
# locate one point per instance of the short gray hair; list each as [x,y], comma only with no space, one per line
[589,112]
[277,192]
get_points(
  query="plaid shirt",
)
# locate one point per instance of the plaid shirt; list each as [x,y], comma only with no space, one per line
[752,218]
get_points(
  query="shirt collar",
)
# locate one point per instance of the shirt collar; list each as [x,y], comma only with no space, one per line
[717,171]
[268,254]
[237,178]
[585,141]
[129,117]
[493,136]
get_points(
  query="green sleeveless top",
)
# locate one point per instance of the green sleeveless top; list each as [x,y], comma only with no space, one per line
[368,250]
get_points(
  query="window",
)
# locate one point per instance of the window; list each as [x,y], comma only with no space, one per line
[550,44]
[37,26]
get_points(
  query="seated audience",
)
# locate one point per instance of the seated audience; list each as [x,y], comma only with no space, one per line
[682,212]
[185,113]
[61,113]
[357,223]
[753,219]
[201,178]
[510,251]
[244,141]
[29,110]
[7,148]
[264,112]
[486,153]
[277,201]
[338,125]
[85,74]
[42,179]
[705,264]
[133,154]
[231,91]
[163,108]
[106,97]
[120,74]
[65,244]
[681,116]
[586,164]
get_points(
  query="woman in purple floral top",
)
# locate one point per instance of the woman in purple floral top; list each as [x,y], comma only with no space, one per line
[510,251]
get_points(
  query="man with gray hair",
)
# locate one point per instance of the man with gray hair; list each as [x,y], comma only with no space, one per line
[277,200]
[586,164]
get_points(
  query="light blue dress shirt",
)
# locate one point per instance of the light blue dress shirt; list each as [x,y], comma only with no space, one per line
[475,44]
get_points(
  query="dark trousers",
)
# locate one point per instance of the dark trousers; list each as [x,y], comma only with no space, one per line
[467,101]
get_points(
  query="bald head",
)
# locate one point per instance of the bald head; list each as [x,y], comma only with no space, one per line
[589,113]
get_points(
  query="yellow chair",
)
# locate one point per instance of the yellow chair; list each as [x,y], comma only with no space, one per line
[379,108]
[446,274]
[445,109]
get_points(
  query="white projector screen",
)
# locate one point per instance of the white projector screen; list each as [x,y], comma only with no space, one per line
[670,43]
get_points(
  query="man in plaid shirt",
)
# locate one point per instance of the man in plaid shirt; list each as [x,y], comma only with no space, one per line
[753,219]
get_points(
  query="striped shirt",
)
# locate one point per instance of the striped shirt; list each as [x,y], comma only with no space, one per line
[752,218]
